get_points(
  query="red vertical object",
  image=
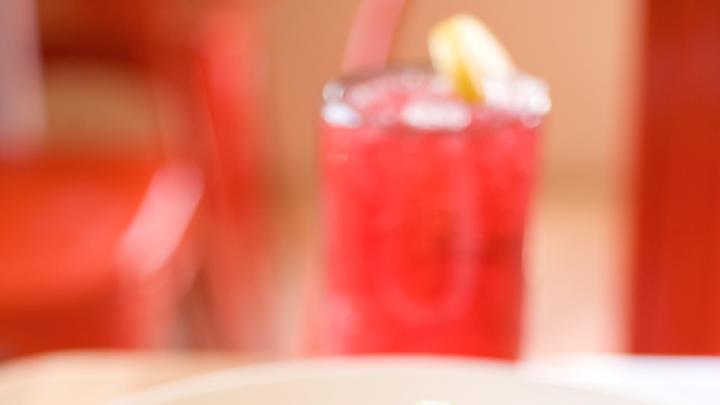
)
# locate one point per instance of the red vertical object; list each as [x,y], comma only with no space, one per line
[676,303]
[210,60]
[229,79]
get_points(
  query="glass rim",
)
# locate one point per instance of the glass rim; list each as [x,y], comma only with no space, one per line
[517,96]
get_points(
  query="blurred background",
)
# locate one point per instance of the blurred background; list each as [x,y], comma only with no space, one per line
[158,167]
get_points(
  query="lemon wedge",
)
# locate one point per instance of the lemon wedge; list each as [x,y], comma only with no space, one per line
[465,51]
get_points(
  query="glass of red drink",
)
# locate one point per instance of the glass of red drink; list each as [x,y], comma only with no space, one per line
[425,199]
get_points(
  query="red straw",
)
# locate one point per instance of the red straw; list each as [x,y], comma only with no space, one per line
[372,34]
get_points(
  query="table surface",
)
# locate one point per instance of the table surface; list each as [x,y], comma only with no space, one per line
[94,377]
[80,378]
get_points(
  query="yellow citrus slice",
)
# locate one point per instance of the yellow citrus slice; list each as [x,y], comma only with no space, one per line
[465,51]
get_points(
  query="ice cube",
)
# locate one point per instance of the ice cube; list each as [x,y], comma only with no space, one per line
[440,114]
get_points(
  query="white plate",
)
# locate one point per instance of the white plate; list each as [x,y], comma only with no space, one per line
[371,381]
[657,379]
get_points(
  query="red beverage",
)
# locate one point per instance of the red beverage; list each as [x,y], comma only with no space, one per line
[425,204]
